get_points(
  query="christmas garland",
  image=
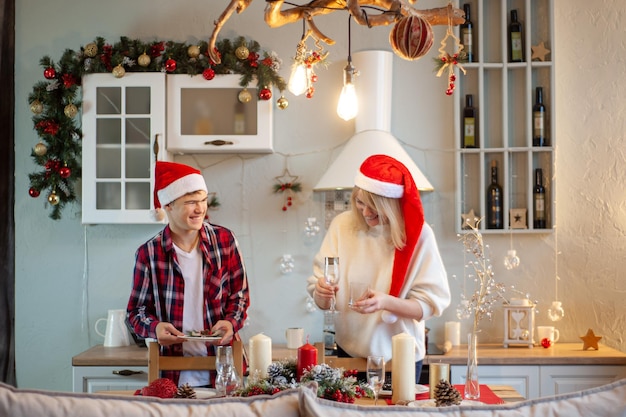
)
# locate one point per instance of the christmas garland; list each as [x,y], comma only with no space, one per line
[55,101]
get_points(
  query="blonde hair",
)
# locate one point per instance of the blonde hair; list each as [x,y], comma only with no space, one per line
[389,212]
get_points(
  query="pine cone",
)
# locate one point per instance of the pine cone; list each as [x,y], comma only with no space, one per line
[185,391]
[446,394]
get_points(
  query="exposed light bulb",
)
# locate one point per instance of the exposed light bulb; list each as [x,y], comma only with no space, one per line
[348,105]
[298,81]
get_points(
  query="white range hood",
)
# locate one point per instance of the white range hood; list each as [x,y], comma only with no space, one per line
[373,122]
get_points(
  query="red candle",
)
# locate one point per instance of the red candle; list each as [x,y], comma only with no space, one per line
[307,356]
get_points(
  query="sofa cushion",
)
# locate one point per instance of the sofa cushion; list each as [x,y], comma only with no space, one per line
[38,403]
[604,401]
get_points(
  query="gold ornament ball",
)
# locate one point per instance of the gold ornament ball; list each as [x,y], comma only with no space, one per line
[282,103]
[40,149]
[242,52]
[193,51]
[91,49]
[244,96]
[36,107]
[53,199]
[70,110]
[143,60]
[119,71]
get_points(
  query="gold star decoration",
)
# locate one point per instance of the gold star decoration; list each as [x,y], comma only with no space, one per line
[287,184]
[469,220]
[539,51]
[590,340]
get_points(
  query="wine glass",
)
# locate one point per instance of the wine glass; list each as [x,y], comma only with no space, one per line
[375,374]
[331,275]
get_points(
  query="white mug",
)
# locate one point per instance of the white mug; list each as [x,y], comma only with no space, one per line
[116,331]
[547,332]
[294,336]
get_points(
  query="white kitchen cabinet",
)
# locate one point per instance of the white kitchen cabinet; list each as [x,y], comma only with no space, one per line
[564,379]
[504,94]
[108,378]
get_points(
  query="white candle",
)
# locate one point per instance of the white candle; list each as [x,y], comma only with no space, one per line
[453,333]
[260,352]
[402,368]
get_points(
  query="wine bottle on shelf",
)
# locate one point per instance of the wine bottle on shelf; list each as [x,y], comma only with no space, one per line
[516,39]
[494,200]
[467,34]
[470,124]
[539,119]
[539,197]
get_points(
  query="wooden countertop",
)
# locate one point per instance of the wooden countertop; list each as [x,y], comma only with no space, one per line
[493,354]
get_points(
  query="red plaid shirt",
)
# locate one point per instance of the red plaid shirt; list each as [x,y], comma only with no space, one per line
[158,285]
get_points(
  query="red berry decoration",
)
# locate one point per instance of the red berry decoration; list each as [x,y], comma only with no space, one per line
[170,65]
[208,74]
[33,192]
[265,94]
[49,73]
[162,388]
[65,172]
[546,343]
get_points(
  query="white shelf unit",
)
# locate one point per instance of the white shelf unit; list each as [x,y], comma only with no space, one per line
[504,94]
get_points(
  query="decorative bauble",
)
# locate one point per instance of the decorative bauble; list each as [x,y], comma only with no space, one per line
[118,71]
[40,149]
[282,103]
[49,73]
[193,51]
[91,49]
[144,60]
[546,343]
[310,92]
[208,74]
[244,96]
[36,107]
[265,94]
[33,192]
[170,65]
[71,110]
[53,199]
[313,78]
[411,37]
[65,172]
[242,52]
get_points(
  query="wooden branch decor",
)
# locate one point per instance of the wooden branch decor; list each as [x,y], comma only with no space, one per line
[387,12]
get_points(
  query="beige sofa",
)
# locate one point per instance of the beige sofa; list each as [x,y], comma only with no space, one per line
[605,401]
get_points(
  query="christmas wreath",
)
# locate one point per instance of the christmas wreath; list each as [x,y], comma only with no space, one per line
[55,101]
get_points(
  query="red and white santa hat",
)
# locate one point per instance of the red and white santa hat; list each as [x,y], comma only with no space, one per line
[388,177]
[173,180]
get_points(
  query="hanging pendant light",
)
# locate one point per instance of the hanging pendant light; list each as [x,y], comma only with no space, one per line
[348,105]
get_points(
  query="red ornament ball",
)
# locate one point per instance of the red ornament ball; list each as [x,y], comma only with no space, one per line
[546,343]
[411,37]
[65,172]
[208,74]
[314,78]
[170,65]
[49,73]
[265,94]
[33,192]
[310,92]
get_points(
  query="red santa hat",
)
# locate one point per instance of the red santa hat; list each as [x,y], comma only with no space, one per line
[388,177]
[173,180]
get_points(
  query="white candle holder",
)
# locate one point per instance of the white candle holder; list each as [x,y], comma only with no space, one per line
[519,324]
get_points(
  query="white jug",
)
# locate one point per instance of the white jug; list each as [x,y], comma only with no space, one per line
[116,331]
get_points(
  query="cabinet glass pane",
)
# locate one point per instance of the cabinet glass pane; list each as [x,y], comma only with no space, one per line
[138,131]
[109,100]
[470,187]
[491,109]
[108,131]
[138,196]
[137,163]
[138,100]
[217,111]
[108,195]
[517,133]
[108,163]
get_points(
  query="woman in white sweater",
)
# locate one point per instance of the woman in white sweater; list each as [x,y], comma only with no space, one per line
[384,243]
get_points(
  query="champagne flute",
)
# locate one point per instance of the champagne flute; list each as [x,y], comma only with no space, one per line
[376,374]
[331,275]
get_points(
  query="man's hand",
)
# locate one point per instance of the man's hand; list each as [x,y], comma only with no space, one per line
[167,334]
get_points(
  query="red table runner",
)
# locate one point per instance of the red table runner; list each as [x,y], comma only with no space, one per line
[487,396]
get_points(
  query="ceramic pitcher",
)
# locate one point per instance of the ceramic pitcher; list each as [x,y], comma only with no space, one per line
[116,333]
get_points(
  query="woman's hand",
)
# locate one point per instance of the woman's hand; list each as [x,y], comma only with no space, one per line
[370,302]
[324,293]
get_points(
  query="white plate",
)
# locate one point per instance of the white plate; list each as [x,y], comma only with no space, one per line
[431,403]
[202,338]
[204,393]
[419,389]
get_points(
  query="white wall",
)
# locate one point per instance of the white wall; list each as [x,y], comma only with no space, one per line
[68,275]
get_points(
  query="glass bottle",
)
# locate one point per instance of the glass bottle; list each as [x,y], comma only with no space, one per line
[472,386]
[470,118]
[494,200]
[467,34]
[516,39]
[539,197]
[539,119]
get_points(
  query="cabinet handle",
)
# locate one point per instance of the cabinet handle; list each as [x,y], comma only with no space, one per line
[219,142]
[155,147]
[127,372]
